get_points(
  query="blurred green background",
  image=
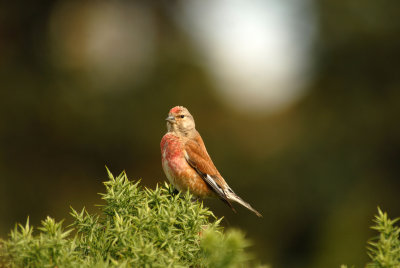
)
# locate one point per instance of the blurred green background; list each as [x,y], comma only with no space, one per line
[298,103]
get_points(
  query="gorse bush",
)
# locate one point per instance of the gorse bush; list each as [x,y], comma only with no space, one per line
[384,250]
[139,227]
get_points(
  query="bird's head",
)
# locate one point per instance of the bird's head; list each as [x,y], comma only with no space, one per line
[180,121]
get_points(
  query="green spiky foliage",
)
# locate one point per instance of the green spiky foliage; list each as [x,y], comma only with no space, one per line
[384,250]
[138,227]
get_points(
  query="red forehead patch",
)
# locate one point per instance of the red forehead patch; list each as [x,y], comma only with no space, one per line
[176,109]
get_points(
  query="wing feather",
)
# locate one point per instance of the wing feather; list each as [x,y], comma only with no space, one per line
[197,157]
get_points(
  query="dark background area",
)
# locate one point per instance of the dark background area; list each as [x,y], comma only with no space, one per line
[316,170]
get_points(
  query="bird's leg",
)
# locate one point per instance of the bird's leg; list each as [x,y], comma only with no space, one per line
[174,192]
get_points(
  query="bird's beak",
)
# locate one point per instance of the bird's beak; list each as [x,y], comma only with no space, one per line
[170,119]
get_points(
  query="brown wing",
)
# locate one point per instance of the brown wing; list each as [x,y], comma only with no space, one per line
[197,157]
[198,154]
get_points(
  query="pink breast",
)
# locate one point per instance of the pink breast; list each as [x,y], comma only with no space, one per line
[172,155]
[177,170]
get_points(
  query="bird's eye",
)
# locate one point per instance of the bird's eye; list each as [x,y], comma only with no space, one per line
[182,116]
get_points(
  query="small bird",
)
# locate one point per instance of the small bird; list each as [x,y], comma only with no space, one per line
[186,163]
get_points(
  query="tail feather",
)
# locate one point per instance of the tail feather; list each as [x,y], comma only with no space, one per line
[233,197]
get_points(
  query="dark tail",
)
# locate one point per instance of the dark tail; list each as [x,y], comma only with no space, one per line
[233,197]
